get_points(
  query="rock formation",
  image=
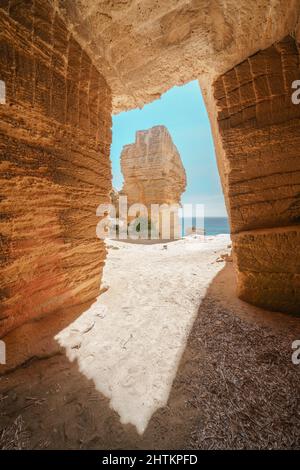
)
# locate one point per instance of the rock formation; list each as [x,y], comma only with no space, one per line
[260,131]
[152,169]
[114,197]
[55,171]
[64,61]
[144,48]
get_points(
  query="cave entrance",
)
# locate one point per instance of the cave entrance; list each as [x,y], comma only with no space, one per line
[152,289]
[163,154]
[55,106]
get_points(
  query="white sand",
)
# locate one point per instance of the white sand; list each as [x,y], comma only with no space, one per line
[131,340]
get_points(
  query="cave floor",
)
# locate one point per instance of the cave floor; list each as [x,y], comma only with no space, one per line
[167,358]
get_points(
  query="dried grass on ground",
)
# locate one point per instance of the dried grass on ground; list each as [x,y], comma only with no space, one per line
[14,437]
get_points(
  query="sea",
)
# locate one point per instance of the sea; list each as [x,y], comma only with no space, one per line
[212,225]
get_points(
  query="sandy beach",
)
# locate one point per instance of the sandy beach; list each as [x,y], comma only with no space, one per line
[137,330]
[167,346]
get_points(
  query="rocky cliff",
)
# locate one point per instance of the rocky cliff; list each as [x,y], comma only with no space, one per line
[152,168]
[55,170]
[63,62]
[154,174]
[260,131]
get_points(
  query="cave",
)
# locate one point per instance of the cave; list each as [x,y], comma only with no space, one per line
[62,83]
[66,67]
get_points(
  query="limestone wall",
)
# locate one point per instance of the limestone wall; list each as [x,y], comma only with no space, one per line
[260,131]
[54,143]
[146,47]
[55,135]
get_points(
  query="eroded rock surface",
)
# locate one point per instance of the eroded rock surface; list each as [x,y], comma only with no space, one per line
[154,175]
[144,47]
[152,169]
[59,60]
[55,170]
[260,131]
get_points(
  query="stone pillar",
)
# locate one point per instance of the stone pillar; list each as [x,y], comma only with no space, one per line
[154,174]
[55,134]
[260,132]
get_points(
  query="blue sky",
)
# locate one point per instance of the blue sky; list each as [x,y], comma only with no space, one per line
[183,112]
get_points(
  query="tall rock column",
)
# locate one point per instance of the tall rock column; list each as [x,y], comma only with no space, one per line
[260,131]
[55,134]
[152,169]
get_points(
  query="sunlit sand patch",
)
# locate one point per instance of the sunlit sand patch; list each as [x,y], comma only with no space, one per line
[131,340]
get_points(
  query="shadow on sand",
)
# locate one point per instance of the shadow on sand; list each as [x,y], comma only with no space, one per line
[235,387]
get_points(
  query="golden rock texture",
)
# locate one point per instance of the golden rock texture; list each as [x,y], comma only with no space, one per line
[260,131]
[144,47]
[54,143]
[60,59]
[152,169]
[268,265]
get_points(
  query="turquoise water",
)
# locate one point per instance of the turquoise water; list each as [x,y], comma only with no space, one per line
[212,225]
